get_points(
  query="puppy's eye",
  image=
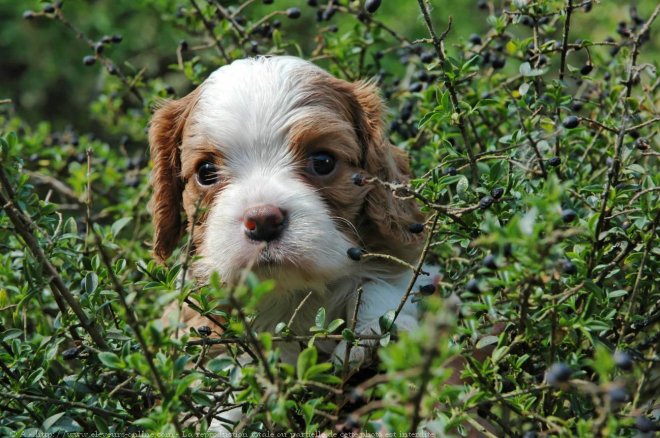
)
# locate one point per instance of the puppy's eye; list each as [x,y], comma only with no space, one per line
[207,174]
[321,163]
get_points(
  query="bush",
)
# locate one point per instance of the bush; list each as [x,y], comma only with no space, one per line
[536,156]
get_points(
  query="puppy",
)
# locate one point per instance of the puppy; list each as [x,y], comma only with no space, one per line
[267,147]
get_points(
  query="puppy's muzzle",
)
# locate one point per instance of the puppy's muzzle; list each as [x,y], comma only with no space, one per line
[264,223]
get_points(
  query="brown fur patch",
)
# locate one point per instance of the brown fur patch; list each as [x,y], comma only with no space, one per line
[349,124]
[165,134]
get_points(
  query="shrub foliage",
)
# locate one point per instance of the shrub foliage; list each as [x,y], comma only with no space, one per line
[536,160]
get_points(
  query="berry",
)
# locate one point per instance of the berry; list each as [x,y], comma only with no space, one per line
[170,90]
[568,267]
[450,171]
[472,286]
[571,122]
[554,161]
[497,192]
[642,144]
[267,2]
[427,56]
[482,4]
[558,373]
[568,215]
[586,69]
[489,262]
[28,15]
[293,13]
[312,3]
[204,330]
[587,6]
[372,6]
[358,179]
[112,70]
[70,353]
[89,60]
[117,38]
[485,202]
[329,13]
[530,434]
[475,39]
[617,394]
[623,360]
[98,48]
[427,289]
[277,24]
[355,253]
[357,395]
[415,87]
[416,228]
[499,62]
[643,424]
[183,45]
[48,8]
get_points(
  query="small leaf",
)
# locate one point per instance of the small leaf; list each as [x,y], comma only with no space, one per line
[487,340]
[319,321]
[50,421]
[334,325]
[119,224]
[348,335]
[111,360]
[385,322]
[90,282]
[219,364]
[306,360]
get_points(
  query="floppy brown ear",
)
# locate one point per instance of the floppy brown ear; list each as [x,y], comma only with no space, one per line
[392,216]
[165,134]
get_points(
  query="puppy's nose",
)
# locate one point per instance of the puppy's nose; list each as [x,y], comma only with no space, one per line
[264,223]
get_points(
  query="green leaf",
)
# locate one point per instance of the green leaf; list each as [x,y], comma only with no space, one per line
[334,325]
[487,340]
[386,321]
[50,421]
[348,335]
[306,360]
[319,321]
[317,369]
[10,334]
[219,364]
[111,360]
[119,224]
[527,70]
[90,282]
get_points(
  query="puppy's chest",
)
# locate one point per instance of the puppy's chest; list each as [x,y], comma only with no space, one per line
[298,309]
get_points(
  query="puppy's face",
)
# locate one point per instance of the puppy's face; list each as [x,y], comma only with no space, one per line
[261,158]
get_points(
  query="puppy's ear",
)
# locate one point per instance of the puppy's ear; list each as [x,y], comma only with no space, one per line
[392,216]
[165,134]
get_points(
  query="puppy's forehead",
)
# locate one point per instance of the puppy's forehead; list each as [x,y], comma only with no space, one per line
[246,108]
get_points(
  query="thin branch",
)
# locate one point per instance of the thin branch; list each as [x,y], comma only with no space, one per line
[437,43]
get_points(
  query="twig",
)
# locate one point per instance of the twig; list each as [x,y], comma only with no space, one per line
[418,268]
[562,63]
[68,404]
[437,43]
[209,29]
[613,173]
[633,294]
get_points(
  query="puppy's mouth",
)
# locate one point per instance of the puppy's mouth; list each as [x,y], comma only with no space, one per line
[270,255]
